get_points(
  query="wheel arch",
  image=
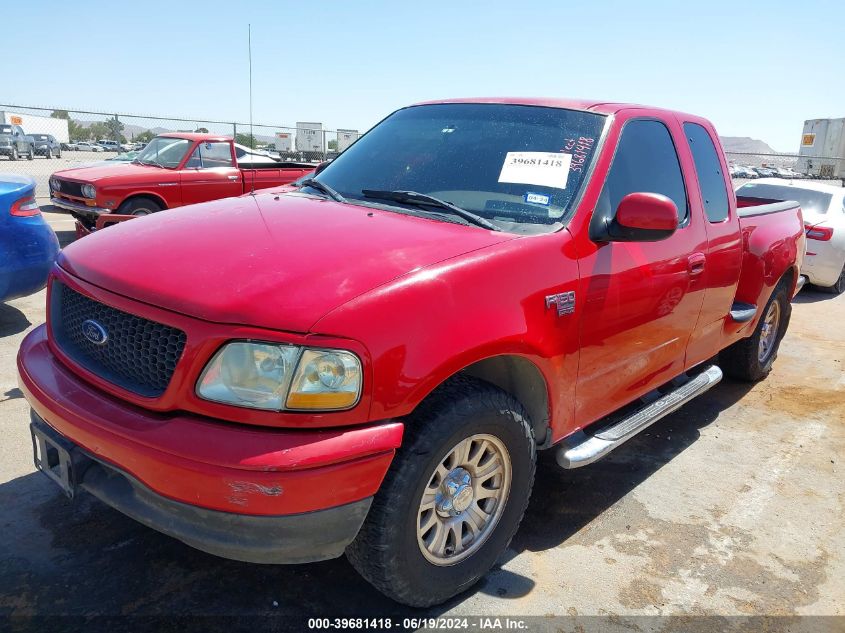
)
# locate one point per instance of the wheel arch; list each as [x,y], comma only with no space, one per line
[519,377]
[144,194]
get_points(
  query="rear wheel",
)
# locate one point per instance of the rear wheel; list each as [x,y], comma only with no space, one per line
[453,497]
[139,207]
[751,359]
[48,154]
[31,155]
[839,287]
[14,154]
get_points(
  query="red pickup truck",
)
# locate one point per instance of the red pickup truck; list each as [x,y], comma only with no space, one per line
[370,363]
[173,170]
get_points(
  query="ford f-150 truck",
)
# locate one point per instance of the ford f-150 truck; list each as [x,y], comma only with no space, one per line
[173,170]
[369,364]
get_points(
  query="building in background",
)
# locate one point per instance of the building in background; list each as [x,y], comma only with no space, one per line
[345,138]
[822,150]
[33,124]
[309,137]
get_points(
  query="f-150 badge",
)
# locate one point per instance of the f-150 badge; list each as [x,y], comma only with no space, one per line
[565,302]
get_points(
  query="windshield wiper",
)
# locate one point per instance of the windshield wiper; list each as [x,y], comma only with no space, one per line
[424,200]
[153,163]
[319,186]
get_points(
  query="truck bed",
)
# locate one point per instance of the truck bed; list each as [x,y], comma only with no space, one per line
[261,176]
[773,236]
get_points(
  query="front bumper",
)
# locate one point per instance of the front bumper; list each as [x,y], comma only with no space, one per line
[214,485]
[298,538]
[78,207]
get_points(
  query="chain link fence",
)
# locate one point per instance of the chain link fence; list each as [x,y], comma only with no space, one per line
[84,137]
[63,139]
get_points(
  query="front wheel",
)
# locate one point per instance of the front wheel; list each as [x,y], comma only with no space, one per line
[139,207]
[453,497]
[751,359]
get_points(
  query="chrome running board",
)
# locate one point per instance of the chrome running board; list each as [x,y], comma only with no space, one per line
[580,449]
[743,312]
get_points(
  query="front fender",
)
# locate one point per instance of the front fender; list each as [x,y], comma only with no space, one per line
[428,325]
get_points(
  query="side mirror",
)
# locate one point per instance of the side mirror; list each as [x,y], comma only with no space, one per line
[640,217]
[321,167]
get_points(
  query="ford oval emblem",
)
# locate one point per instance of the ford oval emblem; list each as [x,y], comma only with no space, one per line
[94,332]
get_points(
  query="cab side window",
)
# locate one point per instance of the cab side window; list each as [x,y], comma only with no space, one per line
[708,167]
[646,161]
[210,155]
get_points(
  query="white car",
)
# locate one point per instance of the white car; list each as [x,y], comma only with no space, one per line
[85,146]
[823,207]
[247,155]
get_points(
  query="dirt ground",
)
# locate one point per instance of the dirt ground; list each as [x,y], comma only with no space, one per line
[732,506]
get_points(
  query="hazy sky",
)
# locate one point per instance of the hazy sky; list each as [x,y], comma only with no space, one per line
[754,68]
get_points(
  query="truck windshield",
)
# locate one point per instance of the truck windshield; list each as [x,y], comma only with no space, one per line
[811,201]
[519,167]
[164,151]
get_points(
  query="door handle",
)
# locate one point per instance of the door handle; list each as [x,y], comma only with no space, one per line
[232,177]
[696,263]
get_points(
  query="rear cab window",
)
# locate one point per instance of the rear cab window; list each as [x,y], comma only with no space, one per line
[708,168]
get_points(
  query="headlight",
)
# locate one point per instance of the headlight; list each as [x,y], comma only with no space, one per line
[89,191]
[55,184]
[275,377]
[325,379]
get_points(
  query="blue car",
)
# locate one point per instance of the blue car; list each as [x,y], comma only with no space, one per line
[28,246]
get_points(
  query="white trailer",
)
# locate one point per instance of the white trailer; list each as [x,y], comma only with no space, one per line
[33,124]
[282,141]
[345,138]
[822,150]
[309,137]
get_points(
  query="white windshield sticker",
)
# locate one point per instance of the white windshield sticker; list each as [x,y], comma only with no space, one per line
[547,169]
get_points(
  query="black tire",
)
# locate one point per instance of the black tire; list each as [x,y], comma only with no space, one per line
[838,288]
[14,154]
[741,360]
[139,207]
[31,155]
[386,551]
[49,153]
[59,153]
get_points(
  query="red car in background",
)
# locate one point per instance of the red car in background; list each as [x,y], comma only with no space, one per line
[173,170]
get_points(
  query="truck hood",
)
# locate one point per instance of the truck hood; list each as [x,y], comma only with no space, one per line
[127,172]
[274,261]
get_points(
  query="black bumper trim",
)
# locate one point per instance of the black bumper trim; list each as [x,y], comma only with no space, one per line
[280,539]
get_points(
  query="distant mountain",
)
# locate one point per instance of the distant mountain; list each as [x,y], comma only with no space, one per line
[746,144]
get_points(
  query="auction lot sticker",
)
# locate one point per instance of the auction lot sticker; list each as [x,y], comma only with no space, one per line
[547,169]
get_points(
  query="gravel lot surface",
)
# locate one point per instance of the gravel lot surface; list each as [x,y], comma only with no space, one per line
[732,506]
